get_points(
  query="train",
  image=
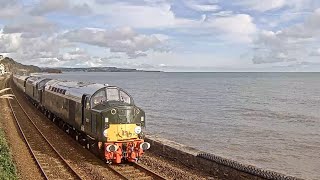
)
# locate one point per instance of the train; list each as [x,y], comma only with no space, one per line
[103,118]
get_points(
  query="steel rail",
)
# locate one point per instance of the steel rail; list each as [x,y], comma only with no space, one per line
[26,141]
[77,176]
[155,175]
[147,174]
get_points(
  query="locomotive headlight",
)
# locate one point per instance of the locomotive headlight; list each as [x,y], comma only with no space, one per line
[137,130]
[113,111]
[145,146]
[142,118]
[105,133]
[106,123]
[112,148]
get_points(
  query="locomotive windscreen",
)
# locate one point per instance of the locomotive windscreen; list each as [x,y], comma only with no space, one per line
[110,94]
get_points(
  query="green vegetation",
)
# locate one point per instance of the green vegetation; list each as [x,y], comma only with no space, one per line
[7,168]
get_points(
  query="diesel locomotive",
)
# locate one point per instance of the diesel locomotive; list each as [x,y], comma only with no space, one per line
[101,117]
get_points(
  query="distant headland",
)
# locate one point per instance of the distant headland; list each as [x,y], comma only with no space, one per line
[102,69]
[16,67]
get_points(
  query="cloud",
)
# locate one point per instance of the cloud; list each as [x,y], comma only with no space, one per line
[315,52]
[161,16]
[137,16]
[293,42]
[239,27]
[9,9]
[49,6]
[81,9]
[205,6]
[75,54]
[272,58]
[30,26]
[262,6]
[123,40]
[9,42]
[35,48]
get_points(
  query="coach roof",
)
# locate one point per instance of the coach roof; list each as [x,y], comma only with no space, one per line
[75,89]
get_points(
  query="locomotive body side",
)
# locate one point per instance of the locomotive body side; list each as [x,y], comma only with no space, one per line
[20,81]
[30,87]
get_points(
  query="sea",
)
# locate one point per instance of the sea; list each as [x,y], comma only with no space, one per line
[269,120]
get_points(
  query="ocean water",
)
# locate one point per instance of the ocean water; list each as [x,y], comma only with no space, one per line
[270,120]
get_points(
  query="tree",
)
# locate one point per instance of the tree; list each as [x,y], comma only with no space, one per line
[6,96]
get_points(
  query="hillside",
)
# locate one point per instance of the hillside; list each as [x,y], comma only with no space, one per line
[15,67]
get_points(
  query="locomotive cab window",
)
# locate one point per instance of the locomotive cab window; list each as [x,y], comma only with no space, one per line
[124,97]
[98,98]
[116,94]
[110,94]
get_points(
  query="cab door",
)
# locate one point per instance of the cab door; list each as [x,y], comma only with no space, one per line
[86,113]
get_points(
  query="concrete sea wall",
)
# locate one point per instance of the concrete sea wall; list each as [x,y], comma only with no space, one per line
[216,166]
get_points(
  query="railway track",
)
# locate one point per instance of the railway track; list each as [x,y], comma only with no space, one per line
[51,164]
[134,171]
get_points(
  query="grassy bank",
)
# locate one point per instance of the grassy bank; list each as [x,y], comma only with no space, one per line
[7,167]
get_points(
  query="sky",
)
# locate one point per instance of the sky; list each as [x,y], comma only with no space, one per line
[168,35]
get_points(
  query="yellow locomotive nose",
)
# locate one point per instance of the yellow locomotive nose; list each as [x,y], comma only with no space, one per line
[121,132]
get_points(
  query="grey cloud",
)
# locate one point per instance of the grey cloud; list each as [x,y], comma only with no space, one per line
[133,2]
[271,59]
[32,27]
[123,40]
[26,49]
[9,43]
[202,5]
[315,52]
[107,61]
[48,6]
[83,9]
[290,43]
[10,9]
[136,55]
[77,54]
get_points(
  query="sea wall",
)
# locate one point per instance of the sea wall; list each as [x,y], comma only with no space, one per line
[216,166]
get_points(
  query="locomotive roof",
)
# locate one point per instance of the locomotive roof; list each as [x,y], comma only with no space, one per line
[73,88]
[21,77]
[35,79]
